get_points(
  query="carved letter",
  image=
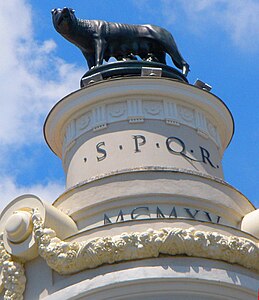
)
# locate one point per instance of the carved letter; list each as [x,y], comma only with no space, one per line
[173,213]
[192,215]
[218,219]
[138,144]
[139,208]
[106,220]
[120,215]
[181,144]
[159,213]
[208,216]
[170,149]
[101,150]
[205,156]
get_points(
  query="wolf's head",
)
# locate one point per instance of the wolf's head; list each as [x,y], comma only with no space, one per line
[63,19]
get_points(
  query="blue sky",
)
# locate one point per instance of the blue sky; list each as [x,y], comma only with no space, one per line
[218,38]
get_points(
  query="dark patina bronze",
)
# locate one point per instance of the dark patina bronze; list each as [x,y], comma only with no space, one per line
[101,40]
[131,68]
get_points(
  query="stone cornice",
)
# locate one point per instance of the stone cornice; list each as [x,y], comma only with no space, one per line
[152,169]
[135,100]
[137,110]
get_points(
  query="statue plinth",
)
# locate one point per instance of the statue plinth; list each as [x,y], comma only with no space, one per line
[128,69]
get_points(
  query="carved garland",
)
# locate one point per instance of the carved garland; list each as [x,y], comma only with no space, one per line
[13,277]
[71,257]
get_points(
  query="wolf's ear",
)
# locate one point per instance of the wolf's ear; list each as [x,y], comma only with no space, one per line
[53,10]
[72,10]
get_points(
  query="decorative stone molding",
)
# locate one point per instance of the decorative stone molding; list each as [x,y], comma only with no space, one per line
[17,242]
[13,277]
[151,168]
[137,111]
[72,257]
[17,228]
[136,100]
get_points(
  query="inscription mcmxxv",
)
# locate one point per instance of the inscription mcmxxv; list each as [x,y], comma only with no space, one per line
[159,212]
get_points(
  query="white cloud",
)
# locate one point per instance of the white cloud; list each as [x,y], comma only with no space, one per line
[237,18]
[10,190]
[32,77]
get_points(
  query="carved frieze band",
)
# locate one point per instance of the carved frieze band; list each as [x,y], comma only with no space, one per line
[136,111]
[13,278]
[71,257]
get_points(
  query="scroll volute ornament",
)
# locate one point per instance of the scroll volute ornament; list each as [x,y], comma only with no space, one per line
[17,228]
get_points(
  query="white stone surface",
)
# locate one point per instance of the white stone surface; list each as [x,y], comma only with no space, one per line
[122,146]
[146,153]
[18,226]
[250,223]
[88,203]
[97,114]
[162,278]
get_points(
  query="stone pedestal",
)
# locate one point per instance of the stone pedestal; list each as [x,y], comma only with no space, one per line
[146,208]
[144,148]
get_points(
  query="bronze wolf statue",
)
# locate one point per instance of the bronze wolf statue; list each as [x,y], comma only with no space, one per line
[100,40]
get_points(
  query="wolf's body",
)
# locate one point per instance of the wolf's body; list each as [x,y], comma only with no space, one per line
[100,40]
